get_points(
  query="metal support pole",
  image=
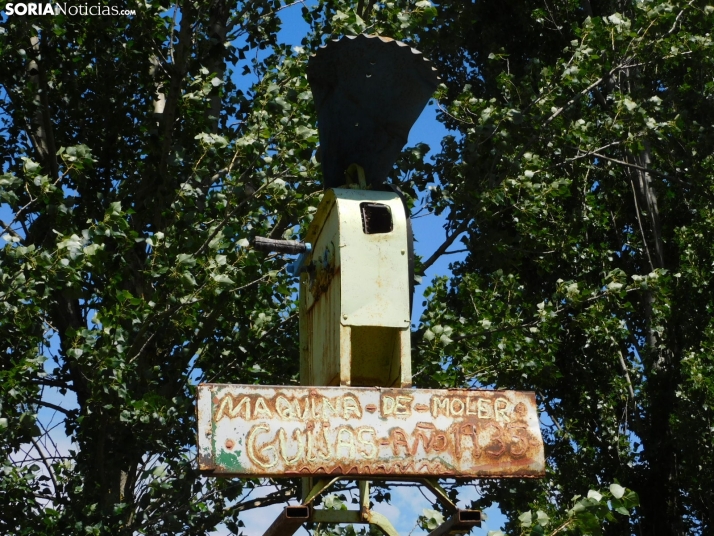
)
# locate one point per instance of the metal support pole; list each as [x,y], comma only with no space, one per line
[319,487]
[364,498]
[382,523]
[460,523]
[336,516]
[292,517]
[289,521]
[433,485]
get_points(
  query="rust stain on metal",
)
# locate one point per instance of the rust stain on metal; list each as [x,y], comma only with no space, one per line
[297,431]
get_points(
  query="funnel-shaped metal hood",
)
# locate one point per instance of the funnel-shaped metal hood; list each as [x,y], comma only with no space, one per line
[368,91]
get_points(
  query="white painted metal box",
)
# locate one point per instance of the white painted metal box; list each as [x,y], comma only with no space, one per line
[354,293]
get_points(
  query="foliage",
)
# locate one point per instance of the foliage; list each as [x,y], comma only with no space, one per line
[430,519]
[579,180]
[587,516]
[141,154]
[127,275]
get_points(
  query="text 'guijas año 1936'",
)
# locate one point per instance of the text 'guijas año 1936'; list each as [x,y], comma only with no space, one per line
[246,430]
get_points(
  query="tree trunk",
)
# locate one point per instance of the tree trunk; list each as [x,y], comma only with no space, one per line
[659,490]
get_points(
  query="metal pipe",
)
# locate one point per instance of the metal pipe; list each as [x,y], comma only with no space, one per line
[279,246]
[433,485]
[460,523]
[289,521]
[336,516]
[377,519]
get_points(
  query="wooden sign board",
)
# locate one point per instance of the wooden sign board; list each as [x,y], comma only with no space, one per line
[249,431]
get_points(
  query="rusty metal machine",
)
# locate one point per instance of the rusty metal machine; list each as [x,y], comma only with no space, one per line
[355,289]
[355,416]
[354,299]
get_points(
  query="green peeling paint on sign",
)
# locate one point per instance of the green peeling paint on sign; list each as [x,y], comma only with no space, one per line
[230,460]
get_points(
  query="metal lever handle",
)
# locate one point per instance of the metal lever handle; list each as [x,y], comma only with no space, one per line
[279,246]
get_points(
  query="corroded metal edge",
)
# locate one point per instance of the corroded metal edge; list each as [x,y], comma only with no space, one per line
[388,40]
[284,431]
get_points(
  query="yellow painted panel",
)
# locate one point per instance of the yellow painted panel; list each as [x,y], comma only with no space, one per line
[375,356]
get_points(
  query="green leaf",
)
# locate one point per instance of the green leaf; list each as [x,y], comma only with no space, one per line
[222,279]
[526,519]
[617,491]
[186,258]
[596,496]
[542,518]
[305,133]
[431,519]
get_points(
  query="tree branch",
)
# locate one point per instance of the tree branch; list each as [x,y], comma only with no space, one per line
[273,498]
[178,72]
[624,369]
[52,406]
[8,229]
[624,65]
[46,463]
[443,247]
[639,222]
[533,322]
[230,215]
[629,165]
[43,136]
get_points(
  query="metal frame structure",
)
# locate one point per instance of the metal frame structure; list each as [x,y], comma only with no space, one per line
[355,272]
[359,334]
[293,517]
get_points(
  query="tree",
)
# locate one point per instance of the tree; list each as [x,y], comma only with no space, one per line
[581,181]
[137,172]
[142,153]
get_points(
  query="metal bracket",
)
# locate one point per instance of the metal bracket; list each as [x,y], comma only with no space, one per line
[290,520]
[294,268]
